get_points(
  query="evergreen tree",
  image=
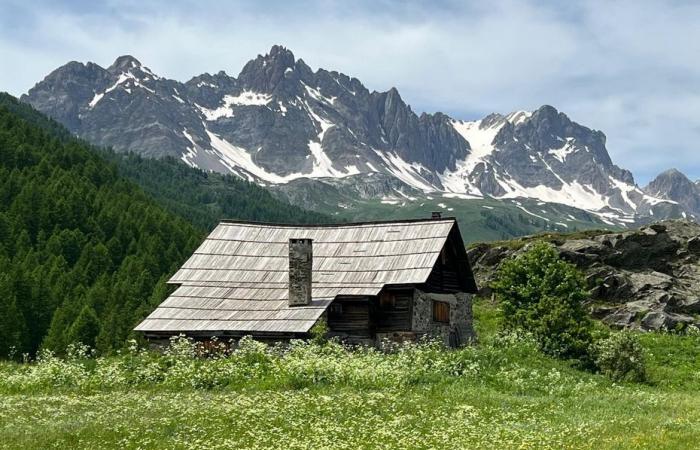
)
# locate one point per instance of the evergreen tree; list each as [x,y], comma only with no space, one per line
[12,327]
[85,328]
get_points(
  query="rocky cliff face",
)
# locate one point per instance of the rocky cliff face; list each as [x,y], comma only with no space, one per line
[647,278]
[279,121]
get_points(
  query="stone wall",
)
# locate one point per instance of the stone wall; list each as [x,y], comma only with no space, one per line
[458,331]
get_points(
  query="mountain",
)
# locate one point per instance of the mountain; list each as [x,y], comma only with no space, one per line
[675,186]
[279,121]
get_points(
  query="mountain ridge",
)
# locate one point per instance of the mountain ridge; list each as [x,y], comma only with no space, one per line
[279,121]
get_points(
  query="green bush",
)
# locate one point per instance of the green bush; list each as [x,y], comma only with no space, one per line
[543,295]
[621,357]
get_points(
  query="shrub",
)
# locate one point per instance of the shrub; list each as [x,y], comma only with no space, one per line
[621,357]
[543,295]
[319,332]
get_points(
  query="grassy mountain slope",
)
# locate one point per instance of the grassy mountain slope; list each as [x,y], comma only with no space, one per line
[480,219]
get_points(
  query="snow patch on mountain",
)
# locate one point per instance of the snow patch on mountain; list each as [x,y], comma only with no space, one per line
[189,156]
[316,95]
[246,98]
[233,157]
[409,173]
[564,151]
[518,117]
[125,79]
[573,194]
[480,137]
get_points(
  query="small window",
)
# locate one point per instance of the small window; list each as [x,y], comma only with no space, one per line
[336,309]
[387,300]
[441,312]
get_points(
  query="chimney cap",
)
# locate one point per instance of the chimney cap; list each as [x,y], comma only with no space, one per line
[436,215]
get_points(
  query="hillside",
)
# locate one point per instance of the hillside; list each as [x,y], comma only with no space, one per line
[483,219]
[81,249]
[84,251]
[204,198]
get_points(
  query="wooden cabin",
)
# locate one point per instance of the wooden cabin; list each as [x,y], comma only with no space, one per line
[396,280]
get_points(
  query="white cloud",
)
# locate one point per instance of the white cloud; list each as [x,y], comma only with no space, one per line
[628,68]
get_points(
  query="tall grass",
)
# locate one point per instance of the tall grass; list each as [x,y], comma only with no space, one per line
[500,393]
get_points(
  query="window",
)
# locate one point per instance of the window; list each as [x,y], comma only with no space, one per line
[441,312]
[387,300]
[336,308]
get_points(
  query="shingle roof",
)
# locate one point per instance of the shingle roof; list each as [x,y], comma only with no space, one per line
[237,279]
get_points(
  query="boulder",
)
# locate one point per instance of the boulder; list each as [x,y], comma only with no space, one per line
[476,252]
[694,245]
[645,281]
[619,319]
[494,255]
[658,227]
[603,311]
[659,320]
[688,305]
[646,248]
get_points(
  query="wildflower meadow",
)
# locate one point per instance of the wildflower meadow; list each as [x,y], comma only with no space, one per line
[500,393]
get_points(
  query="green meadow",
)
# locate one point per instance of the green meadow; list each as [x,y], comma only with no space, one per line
[499,393]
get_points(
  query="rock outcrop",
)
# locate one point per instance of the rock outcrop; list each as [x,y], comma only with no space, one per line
[647,279]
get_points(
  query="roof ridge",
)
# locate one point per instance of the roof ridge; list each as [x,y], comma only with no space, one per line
[337,225]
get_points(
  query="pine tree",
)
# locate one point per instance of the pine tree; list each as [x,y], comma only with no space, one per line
[85,328]
[12,327]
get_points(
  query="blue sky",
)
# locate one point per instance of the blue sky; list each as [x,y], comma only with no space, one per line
[628,68]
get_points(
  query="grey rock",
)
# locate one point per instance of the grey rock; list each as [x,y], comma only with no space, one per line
[625,284]
[694,245]
[688,306]
[644,281]
[619,319]
[659,320]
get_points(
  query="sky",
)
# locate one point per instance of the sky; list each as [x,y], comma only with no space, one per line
[630,68]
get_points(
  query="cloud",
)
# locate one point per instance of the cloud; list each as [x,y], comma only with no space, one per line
[629,68]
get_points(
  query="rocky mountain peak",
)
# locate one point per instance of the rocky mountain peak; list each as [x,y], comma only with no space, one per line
[670,183]
[674,185]
[264,73]
[123,64]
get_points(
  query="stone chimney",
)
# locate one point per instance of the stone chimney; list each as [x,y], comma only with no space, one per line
[300,264]
[436,215]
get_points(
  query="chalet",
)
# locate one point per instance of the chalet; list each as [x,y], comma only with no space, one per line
[396,280]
